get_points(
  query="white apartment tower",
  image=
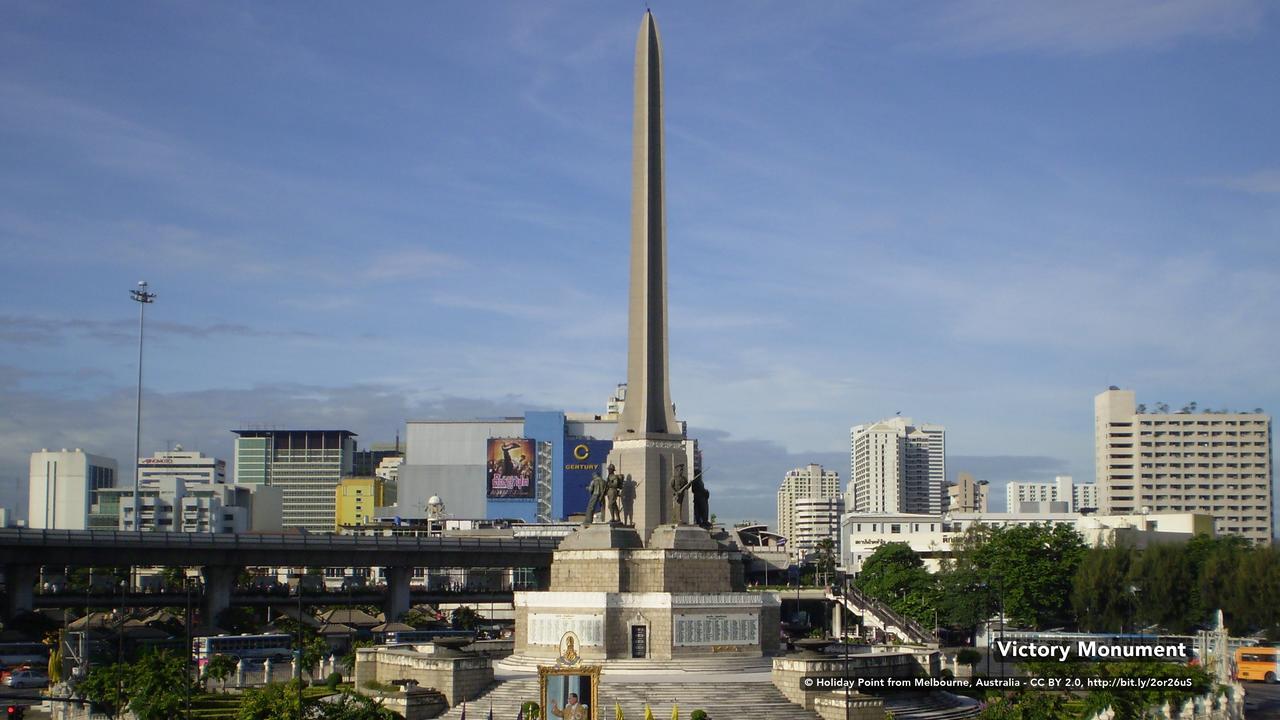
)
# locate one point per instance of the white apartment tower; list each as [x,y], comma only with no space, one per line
[1217,463]
[1063,489]
[897,467]
[64,488]
[811,482]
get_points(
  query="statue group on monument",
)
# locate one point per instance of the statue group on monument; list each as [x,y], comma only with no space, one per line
[608,493]
[681,484]
[613,493]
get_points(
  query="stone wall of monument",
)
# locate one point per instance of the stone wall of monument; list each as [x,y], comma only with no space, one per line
[683,571]
[457,678]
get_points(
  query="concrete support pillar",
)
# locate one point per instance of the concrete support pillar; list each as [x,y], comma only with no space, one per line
[397,601]
[219,581]
[19,581]
[837,619]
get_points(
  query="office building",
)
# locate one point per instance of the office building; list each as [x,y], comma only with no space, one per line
[1217,463]
[1074,497]
[811,482]
[64,487]
[934,537]
[896,466]
[356,500]
[306,465]
[179,463]
[967,494]
[175,504]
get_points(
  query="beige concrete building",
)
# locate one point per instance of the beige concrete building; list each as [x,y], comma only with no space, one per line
[1207,462]
[896,466]
[1063,489]
[811,482]
[967,494]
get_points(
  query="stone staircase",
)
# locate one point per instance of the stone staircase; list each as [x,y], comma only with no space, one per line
[720,700]
[879,615]
[930,706]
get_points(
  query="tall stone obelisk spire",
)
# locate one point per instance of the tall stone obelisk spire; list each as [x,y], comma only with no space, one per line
[648,445]
[648,407]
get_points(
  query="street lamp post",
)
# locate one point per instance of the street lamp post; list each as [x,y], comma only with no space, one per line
[186,584]
[143,297]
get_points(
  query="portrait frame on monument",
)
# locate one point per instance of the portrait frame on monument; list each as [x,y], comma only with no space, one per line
[557,682]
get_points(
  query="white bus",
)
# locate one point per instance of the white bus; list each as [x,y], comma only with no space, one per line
[277,648]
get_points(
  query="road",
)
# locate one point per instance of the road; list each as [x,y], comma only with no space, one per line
[1261,701]
[23,696]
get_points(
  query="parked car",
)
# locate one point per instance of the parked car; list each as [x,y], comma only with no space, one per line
[27,679]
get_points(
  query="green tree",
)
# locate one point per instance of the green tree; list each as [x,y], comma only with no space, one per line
[1031,568]
[107,688]
[1167,596]
[895,575]
[314,650]
[348,661]
[1102,594]
[158,683]
[219,668]
[465,617]
[825,560]
[418,619]
[279,701]
[173,577]
[273,702]
[351,706]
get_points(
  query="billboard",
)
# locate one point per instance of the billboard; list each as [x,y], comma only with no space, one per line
[583,457]
[509,473]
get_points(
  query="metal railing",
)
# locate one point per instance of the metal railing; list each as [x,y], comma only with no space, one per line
[28,537]
[909,626]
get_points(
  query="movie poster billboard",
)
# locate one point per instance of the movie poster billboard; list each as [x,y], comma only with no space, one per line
[510,469]
[583,458]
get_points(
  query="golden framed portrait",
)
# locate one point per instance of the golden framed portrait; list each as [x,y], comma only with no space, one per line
[569,693]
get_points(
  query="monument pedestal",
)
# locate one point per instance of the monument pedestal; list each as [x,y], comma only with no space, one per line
[679,597]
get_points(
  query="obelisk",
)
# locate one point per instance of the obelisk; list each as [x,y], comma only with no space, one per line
[648,445]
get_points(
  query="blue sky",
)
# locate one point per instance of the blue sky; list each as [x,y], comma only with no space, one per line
[978,213]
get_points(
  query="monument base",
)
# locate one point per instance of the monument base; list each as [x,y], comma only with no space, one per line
[646,625]
[679,597]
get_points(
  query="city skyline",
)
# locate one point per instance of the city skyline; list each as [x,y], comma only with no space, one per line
[977,214]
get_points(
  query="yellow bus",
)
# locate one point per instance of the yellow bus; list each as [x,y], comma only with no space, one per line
[1257,663]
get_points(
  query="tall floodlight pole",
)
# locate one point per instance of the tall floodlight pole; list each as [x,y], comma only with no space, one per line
[143,298]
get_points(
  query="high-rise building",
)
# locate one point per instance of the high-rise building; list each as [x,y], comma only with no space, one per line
[967,494]
[179,463]
[896,466]
[816,519]
[65,487]
[1217,463]
[810,482]
[1063,489]
[306,465]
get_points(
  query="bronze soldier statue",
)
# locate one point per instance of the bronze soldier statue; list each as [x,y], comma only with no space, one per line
[613,489]
[679,486]
[701,495]
[596,502]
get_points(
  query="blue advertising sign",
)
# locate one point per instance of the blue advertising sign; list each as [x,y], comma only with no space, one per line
[583,458]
